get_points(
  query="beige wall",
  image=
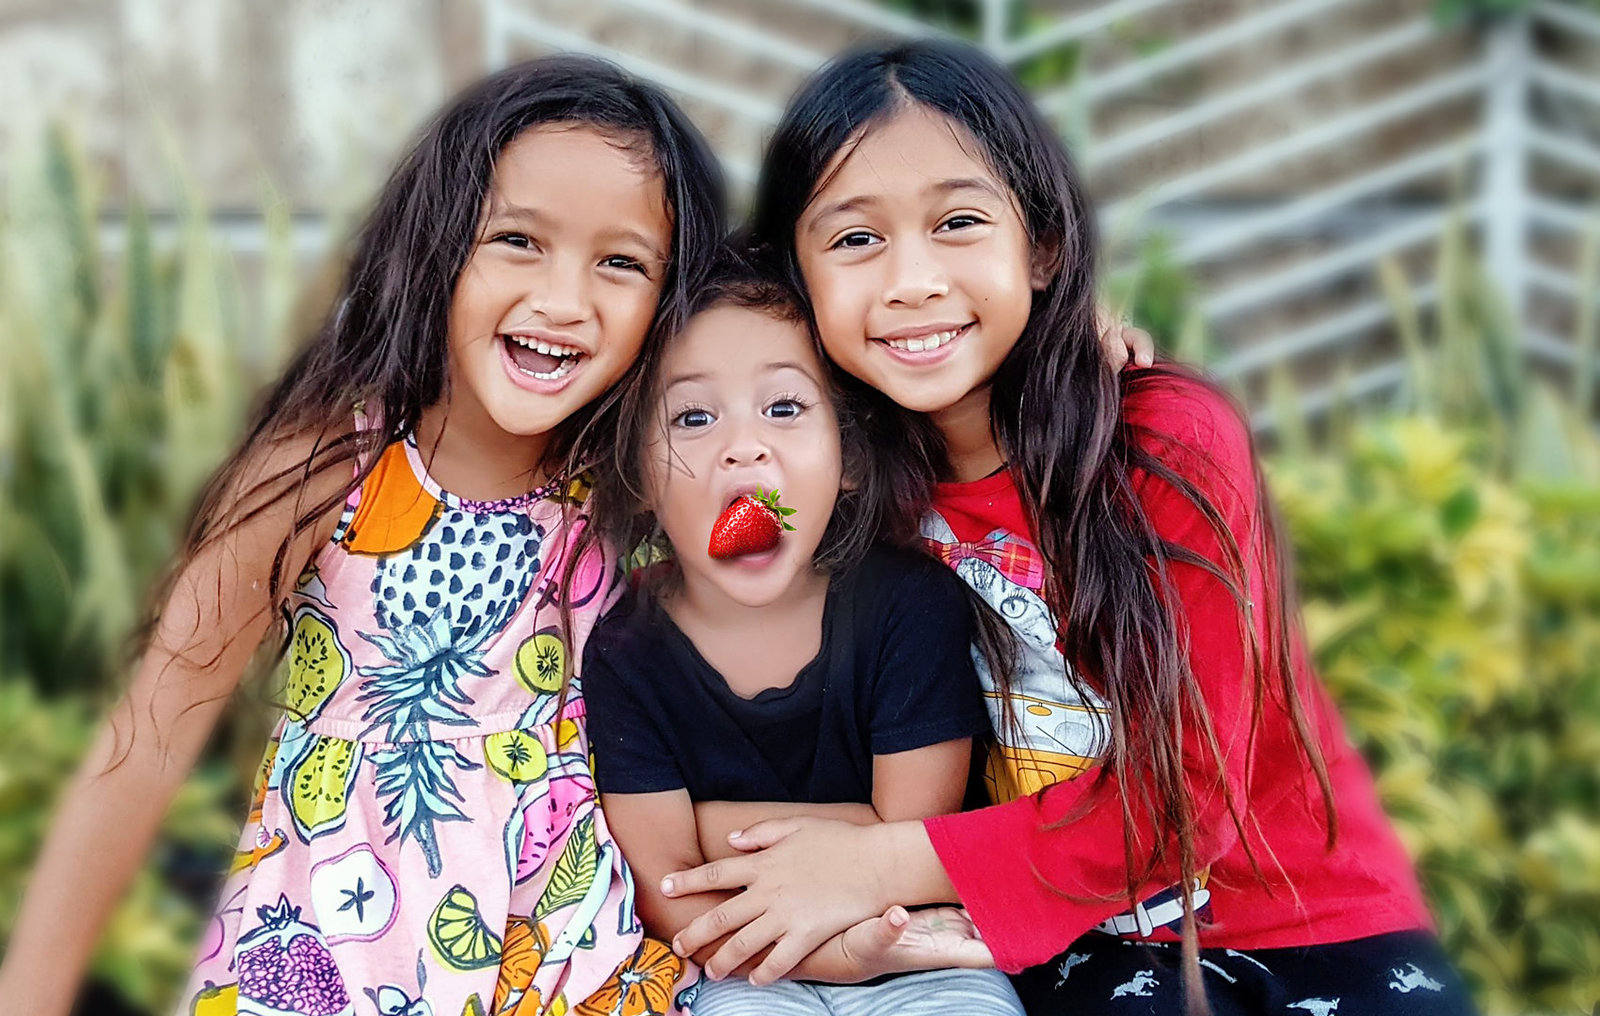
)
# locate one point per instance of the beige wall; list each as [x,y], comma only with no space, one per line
[316,95]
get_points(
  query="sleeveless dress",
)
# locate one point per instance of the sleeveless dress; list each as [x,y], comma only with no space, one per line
[424,838]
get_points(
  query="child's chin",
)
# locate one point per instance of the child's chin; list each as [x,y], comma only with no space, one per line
[756,580]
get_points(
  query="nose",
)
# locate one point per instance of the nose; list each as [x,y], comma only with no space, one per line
[915,275]
[744,445]
[558,291]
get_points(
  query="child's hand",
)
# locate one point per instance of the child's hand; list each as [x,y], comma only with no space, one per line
[1121,341]
[902,941]
[806,881]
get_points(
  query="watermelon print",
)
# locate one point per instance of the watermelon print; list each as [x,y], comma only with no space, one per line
[424,839]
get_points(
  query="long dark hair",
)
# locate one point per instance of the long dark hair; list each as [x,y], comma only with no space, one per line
[1056,415]
[383,346]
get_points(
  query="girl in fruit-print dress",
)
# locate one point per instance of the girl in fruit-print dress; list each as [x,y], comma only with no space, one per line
[424,838]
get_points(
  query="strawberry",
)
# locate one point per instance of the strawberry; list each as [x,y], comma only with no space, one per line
[750,525]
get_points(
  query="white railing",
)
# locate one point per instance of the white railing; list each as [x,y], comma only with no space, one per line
[1495,83]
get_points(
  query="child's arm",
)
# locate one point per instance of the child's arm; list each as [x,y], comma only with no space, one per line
[656,832]
[715,821]
[905,785]
[922,782]
[914,784]
[210,625]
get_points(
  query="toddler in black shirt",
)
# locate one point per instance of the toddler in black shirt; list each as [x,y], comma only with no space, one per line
[818,675]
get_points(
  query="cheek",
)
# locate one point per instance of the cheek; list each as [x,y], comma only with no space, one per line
[628,319]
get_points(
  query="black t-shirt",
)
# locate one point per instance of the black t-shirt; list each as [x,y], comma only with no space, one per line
[894,673]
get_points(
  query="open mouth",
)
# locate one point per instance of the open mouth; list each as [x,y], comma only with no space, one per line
[547,361]
[928,343]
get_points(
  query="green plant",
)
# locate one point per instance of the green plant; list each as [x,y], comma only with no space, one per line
[1154,291]
[122,384]
[1449,561]
[148,945]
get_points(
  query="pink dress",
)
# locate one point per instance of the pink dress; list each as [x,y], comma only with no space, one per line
[425,839]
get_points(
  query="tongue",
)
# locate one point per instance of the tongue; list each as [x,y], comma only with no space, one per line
[532,360]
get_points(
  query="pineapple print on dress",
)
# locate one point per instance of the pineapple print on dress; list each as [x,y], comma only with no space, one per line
[439,600]
[428,789]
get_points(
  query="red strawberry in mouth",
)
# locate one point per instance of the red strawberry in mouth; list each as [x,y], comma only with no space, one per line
[750,525]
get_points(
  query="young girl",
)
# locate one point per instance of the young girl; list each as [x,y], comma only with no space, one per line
[820,675]
[424,838]
[1170,769]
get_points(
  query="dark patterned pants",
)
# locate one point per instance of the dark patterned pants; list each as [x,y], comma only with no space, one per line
[1400,974]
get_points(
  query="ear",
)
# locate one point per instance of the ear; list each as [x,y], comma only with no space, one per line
[1044,262]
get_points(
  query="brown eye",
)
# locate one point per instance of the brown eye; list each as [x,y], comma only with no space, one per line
[625,263]
[693,419]
[856,239]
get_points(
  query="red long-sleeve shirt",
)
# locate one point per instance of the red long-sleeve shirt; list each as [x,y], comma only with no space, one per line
[1032,890]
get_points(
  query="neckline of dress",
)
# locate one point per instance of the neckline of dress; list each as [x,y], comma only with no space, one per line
[502,506]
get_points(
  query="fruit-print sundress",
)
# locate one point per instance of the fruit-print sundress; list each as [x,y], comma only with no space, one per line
[424,838]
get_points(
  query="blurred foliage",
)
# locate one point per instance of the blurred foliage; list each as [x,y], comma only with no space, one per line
[1449,559]
[149,944]
[1148,285]
[123,381]
[1449,567]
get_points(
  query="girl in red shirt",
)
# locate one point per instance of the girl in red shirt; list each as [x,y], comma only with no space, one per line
[1178,818]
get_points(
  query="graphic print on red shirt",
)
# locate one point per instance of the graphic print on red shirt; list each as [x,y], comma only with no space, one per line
[1037,870]
[1051,732]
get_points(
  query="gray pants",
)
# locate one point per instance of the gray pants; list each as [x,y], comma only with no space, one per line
[928,993]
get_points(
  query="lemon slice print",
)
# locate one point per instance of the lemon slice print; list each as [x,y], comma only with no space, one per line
[460,934]
[540,663]
[515,756]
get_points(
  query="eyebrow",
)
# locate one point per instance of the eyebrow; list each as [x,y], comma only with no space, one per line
[766,368]
[976,183]
[773,368]
[941,187]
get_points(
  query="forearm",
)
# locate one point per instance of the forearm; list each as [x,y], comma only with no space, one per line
[663,918]
[830,963]
[906,866]
[81,873]
[714,820]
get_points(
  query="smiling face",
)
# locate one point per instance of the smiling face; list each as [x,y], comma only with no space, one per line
[562,283]
[744,405]
[918,264]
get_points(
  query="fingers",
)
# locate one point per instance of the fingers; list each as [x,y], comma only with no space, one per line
[727,916]
[868,943]
[789,950]
[728,873]
[763,834]
[1140,344]
[1113,348]
[749,941]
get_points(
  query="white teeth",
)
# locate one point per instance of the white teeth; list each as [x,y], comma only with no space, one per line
[563,368]
[925,342]
[540,345]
